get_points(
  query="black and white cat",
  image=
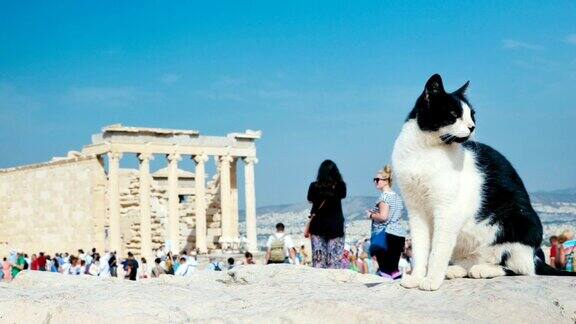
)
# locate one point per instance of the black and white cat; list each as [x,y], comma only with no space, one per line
[469,212]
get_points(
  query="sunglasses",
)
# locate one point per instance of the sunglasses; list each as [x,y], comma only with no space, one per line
[378,179]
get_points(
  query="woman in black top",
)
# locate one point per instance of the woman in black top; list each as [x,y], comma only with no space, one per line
[327,223]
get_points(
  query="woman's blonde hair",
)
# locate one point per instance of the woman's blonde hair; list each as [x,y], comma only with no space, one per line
[386,174]
[566,235]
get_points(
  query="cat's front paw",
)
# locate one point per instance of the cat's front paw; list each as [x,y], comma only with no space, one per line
[430,284]
[410,281]
[456,271]
[479,271]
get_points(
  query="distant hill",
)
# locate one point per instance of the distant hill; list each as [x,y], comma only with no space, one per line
[557,210]
[354,207]
[555,196]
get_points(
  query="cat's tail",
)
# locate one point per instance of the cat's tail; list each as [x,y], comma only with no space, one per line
[543,269]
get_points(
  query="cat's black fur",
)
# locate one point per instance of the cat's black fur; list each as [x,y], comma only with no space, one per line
[435,108]
[506,202]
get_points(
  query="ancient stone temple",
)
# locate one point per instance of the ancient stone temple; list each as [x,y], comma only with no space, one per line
[86,200]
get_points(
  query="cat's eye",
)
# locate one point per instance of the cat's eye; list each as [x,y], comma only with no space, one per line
[454,114]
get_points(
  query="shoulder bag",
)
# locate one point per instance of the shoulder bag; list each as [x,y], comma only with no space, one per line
[307,227]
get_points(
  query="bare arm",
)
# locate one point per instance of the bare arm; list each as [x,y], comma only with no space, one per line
[18,266]
[383,212]
[267,257]
[127,275]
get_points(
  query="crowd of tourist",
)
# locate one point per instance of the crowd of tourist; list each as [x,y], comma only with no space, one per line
[109,265]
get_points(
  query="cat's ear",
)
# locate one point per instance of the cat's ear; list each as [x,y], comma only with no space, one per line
[462,91]
[434,86]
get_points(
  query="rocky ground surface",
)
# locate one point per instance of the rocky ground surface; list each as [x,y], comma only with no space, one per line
[283,294]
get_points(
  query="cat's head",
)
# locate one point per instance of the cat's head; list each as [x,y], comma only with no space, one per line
[448,116]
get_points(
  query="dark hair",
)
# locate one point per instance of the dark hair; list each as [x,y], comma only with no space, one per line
[183,259]
[247,255]
[157,260]
[230,261]
[143,260]
[130,254]
[328,173]
[280,227]
[553,237]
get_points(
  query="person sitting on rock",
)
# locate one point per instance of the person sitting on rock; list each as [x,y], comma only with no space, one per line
[214,265]
[157,270]
[230,265]
[279,247]
[185,269]
[248,259]
[566,251]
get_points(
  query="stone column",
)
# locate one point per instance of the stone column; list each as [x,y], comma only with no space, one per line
[200,190]
[225,201]
[173,203]
[100,216]
[234,200]
[145,217]
[114,201]
[250,193]
[99,205]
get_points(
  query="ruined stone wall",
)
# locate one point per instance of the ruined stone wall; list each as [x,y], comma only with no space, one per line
[62,206]
[130,214]
[52,207]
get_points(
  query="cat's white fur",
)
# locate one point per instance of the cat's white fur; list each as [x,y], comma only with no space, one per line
[442,189]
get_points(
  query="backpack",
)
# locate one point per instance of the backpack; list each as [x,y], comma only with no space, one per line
[217,266]
[277,250]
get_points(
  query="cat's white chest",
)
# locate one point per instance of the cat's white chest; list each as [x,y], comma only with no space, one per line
[429,175]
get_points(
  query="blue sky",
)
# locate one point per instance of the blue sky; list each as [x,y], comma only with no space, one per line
[320,79]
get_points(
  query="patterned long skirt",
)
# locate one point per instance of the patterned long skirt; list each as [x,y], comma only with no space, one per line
[327,253]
